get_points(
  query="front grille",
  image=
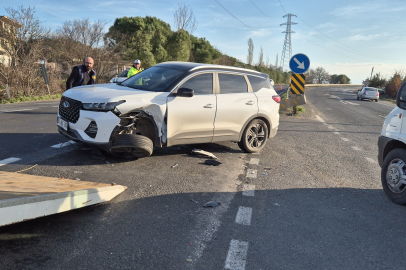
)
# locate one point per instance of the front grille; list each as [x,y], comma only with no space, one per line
[69,109]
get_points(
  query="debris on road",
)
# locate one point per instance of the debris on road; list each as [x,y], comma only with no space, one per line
[211,204]
[174,166]
[77,172]
[203,153]
[193,201]
[212,162]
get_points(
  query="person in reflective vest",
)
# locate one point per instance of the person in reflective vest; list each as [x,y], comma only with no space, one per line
[136,68]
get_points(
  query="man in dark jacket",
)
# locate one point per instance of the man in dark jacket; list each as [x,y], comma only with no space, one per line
[82,74]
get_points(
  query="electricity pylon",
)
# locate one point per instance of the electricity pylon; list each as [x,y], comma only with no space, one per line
[287,46]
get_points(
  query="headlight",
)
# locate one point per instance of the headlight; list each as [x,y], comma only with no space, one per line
[108,106]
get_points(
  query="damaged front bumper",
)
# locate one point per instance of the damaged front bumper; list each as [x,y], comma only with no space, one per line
[95,128]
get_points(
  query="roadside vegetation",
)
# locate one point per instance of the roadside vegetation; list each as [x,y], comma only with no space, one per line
[149,39]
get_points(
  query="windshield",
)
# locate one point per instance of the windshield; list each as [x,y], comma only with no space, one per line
[123,74]
[155,79]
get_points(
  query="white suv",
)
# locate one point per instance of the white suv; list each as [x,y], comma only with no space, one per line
[392,150]
[173,103]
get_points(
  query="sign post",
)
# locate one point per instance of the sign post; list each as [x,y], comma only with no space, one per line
[45,75]
[299,64]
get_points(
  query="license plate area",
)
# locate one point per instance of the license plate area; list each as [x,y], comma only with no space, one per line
[62,123]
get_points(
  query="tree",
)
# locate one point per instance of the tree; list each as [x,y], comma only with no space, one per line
[339,79]
[83,31]
[250,57]
[261,57]
[183,18]
[377,81]
[320,75]
[394,84]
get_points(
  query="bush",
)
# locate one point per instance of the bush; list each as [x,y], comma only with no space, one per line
[394,84]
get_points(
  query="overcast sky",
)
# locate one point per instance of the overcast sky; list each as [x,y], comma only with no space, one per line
[344,37]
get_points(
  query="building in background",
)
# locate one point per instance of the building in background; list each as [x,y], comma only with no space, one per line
[7,35]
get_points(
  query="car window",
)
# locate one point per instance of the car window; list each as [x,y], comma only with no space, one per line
[230,83]
[201,84]
[156,79]
[123,73]
[370,89]
[258,83]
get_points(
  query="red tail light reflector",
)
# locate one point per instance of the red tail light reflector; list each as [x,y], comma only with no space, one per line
[277,98]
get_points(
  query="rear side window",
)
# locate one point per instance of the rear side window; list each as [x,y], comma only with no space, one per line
[201,84]
[230,83]
[258,83]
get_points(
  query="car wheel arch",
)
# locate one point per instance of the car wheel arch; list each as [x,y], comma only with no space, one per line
[393,145]
[262,117]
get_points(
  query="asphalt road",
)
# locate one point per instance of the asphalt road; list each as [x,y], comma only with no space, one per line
[311,199]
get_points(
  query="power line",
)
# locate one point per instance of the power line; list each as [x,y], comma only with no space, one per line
[233,15]
[359,52]
[282,6]
[259,9]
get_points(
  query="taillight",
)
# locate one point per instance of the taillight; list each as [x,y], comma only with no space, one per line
[377,94]
[277,98]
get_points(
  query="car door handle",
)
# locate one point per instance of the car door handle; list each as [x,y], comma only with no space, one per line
[209,106]
[250,102]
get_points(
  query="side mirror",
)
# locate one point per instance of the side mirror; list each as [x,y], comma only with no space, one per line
[184,92]
[401,97]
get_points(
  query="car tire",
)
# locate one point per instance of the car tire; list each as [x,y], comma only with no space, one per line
[357,97]
[254,136]
[376,100]
[393,170]
[132,146]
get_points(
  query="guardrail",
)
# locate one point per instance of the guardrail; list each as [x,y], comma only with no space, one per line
[324,85]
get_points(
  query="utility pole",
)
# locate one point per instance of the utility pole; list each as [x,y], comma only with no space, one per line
[287,46]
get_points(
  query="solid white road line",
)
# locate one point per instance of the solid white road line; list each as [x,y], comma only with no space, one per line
[237,255]
[20,110]
[8,160]
[243,216]
[251,173]
[248,190]
[60,145]
[254,161]
[371,160]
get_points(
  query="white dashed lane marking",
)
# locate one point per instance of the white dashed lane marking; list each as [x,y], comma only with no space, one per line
[254,161]
[60,145]
[248,190]
[320,119]
[345,139]
[237,255]
[243,216]
[356,148]
[371,160]
[337,133]
[8,161]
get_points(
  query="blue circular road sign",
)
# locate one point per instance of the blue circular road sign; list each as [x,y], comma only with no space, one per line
[299,63]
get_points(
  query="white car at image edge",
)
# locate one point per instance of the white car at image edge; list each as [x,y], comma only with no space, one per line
[172,103]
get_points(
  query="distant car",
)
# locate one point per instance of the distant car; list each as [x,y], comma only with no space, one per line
[382,91]
[368,93]
[272,82]
[120,77]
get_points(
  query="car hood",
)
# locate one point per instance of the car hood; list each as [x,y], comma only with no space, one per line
[109,93]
